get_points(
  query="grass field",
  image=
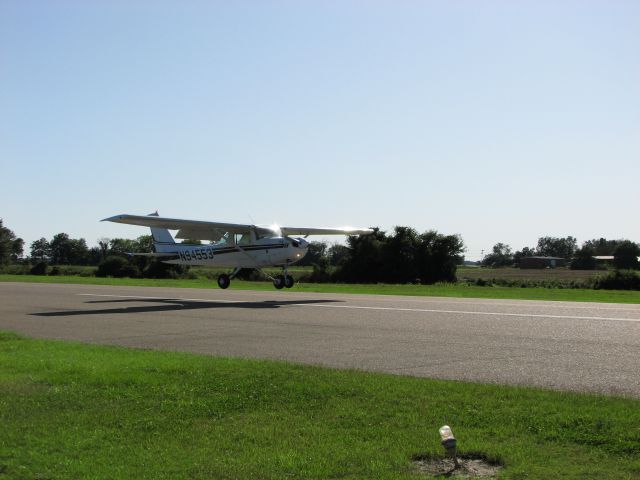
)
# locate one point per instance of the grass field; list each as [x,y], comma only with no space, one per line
[463,272]
[76,411]
[528,274]
[446,290]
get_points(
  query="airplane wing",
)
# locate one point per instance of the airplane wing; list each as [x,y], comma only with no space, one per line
[287,231]
[200,230]
[194,229]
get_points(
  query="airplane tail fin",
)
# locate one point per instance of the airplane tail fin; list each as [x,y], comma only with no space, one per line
[162,239]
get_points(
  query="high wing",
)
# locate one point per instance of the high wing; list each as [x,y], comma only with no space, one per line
[193,229]
[200,230]
[288,231]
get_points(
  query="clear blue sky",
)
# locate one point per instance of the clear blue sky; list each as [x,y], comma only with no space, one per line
[501,121]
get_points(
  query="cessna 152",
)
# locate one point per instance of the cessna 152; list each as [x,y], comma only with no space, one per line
[232,245]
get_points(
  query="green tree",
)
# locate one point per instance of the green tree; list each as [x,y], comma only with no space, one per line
[316,255]
[40,249]
[601,246]
[79,251]
[525,252]
[337,254]
[501,256]
[626,255]
[95,256]
[439,256]
[399,251]
[103,245]
[364,261]
[557,247]
[68,251]
[583,259]
[60,249]
[11,247]
[145,243]
[122,246]
[403,257]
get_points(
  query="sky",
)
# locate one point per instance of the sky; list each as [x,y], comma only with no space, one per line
[500,121]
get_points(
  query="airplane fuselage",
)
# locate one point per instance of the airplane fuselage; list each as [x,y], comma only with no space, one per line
[274,251]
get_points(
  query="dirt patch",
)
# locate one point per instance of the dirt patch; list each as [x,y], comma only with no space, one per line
[470,466]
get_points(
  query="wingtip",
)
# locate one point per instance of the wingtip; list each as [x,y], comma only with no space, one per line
[112,219]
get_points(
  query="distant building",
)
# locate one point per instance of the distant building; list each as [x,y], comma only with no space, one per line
[605,260]
[542,262]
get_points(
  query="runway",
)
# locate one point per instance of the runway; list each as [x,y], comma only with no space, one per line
[586,347]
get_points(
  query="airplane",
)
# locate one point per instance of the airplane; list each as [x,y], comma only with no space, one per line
[233,245]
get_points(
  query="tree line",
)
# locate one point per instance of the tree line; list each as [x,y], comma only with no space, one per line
[402,256]
[625,253]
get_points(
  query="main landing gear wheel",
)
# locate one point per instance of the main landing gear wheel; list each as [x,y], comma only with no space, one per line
[224,281]
[288,281]
[279,282]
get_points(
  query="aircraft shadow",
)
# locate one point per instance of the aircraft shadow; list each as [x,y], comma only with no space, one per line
[169,305]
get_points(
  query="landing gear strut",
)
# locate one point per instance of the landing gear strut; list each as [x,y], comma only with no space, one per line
[287,280]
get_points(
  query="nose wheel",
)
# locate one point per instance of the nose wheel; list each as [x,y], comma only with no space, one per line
[288,281]
[278,281]
[282,281]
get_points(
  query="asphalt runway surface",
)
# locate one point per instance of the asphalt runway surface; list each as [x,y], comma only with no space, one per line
[586,347]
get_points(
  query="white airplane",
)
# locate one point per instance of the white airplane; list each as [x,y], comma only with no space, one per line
[232,245]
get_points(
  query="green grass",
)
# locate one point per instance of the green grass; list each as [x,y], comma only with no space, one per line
[76,411]
[448,290]
[560,274]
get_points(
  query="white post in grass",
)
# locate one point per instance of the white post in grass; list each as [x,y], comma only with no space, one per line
[449,443]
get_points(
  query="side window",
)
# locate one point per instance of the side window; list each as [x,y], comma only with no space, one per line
[243,239]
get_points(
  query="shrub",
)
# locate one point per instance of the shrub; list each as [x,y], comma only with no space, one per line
[158,269]
[16,269]
[79,270]
[39,268]
[320,273]
[114,266]
[619,280]
[249,274]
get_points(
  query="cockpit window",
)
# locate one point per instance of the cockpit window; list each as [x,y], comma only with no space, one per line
[243,239]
